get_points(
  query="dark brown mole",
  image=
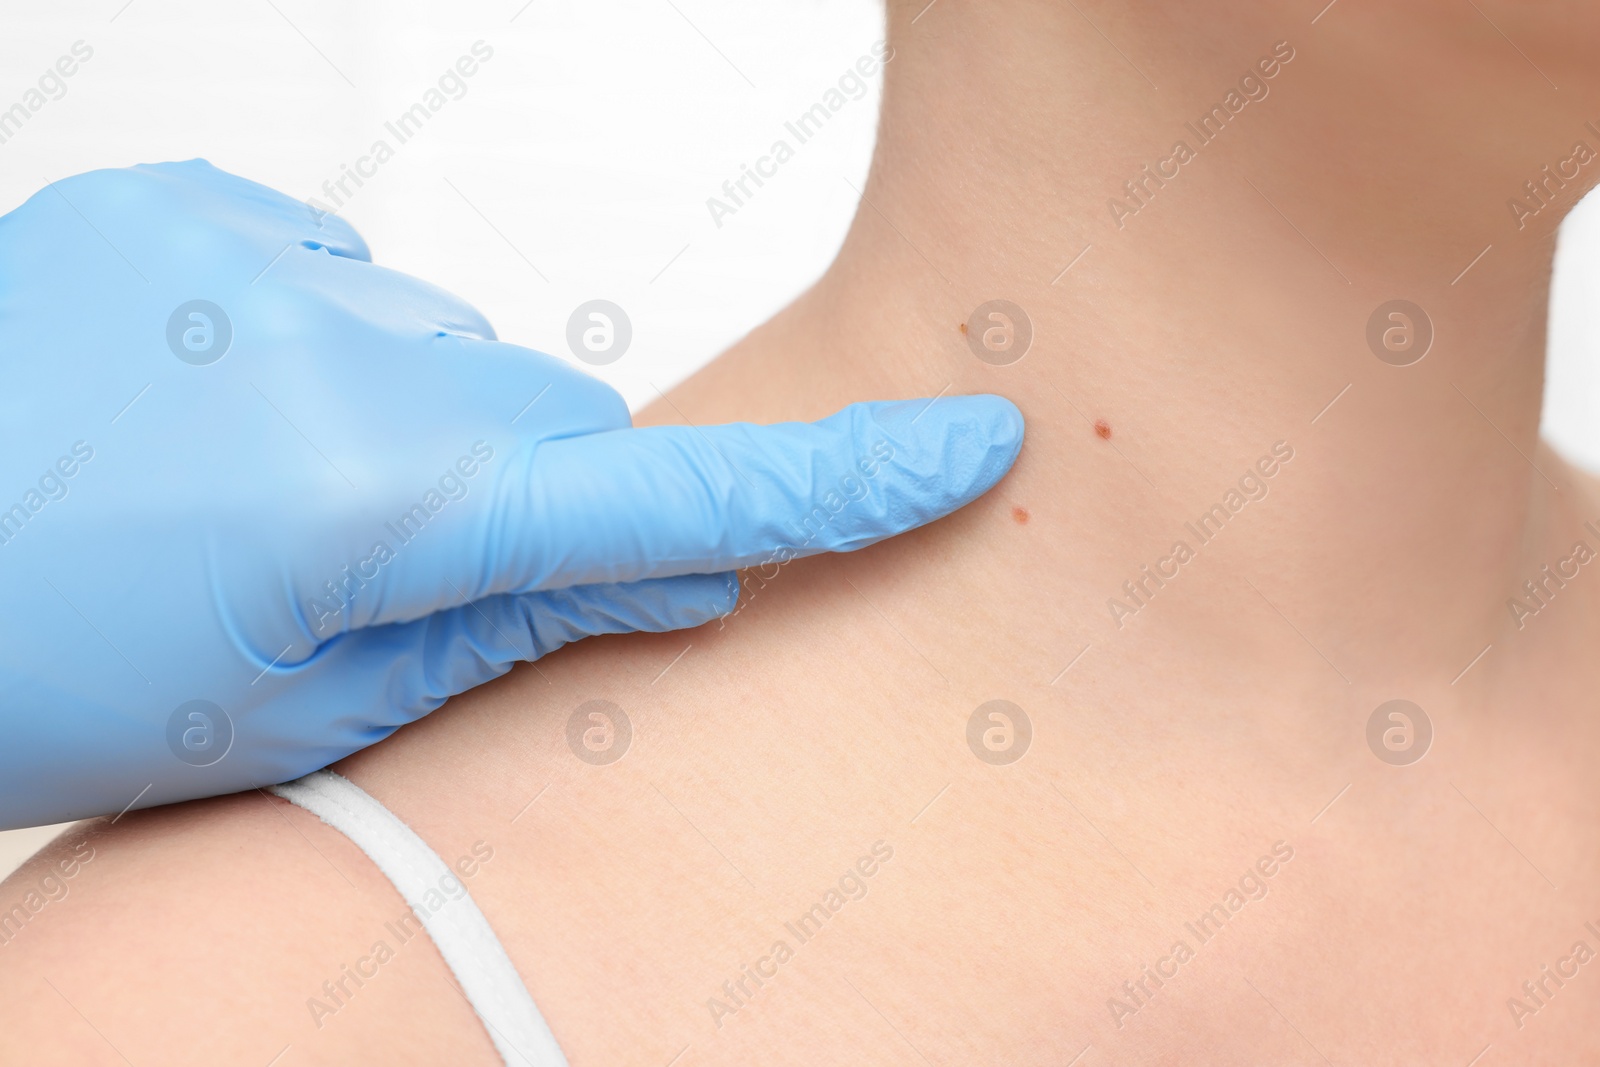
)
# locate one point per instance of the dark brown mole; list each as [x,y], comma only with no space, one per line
[1020,515]
[1103,429]
[962,327]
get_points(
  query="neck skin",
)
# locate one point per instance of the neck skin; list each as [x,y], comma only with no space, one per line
[1225,313]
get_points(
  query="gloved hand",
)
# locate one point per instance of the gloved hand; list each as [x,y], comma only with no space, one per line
[263,502]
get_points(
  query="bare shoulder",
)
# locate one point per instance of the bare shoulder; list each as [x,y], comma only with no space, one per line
[234,930]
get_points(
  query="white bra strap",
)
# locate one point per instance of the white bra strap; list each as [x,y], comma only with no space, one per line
[464,937]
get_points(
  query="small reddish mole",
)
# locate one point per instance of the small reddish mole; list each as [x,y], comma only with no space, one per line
[1020,515]
[1103,429]
[962,327]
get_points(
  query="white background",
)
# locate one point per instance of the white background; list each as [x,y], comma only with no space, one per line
[586,147]
[584,151]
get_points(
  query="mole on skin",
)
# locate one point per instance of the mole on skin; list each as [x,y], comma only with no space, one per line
[962,327]
[1103,428]
[1021,515]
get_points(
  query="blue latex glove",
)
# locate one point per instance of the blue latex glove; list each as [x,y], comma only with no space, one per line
[241,539]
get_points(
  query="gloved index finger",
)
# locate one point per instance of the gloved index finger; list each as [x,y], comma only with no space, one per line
[661,501]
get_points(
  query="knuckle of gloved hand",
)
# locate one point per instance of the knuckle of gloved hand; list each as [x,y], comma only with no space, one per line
[569,402]
[125,188]
[387,301]
[156,191]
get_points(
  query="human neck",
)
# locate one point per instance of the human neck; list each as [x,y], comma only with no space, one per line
[1223,315]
